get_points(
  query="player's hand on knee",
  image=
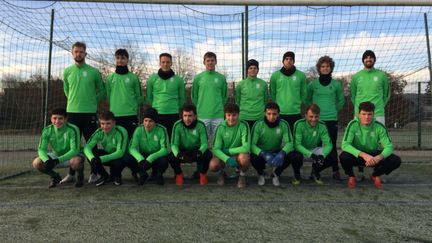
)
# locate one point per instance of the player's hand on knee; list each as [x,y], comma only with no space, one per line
[268,157]
[278,160]
[231,162]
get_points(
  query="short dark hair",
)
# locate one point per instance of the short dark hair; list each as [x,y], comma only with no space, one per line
[367,106]
[165,55]
[122,52]
[188,108]
[106,115]
[79,44]
[210,54]
[231,108]
[314,108]
[272,105]
[59,111]
[325,59]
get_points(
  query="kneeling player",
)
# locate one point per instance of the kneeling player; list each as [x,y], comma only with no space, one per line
[312,140]
[189,144]
[149,147]
[362,144]
[272,144]
[231,145]
[64,140]
[114,141]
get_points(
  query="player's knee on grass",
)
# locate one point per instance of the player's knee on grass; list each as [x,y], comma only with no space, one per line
[76,163]
[216,164]
[243,160]
[37,163]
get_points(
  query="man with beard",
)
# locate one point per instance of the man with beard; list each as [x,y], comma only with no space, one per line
[288,88]
[189,144]
[166,92]
[372,85]
[124,93]
[327,94]
[84,90]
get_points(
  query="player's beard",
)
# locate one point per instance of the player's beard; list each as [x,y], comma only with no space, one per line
[79,60]
[369,65]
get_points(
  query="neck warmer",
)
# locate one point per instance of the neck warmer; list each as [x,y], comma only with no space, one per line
[122,69]
[325,79]
[192,125]
[272,125]
[166,75]
[288,72]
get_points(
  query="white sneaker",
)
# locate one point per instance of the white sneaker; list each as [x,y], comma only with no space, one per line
[275,180]
[261,180]
[68,179]
[93,178]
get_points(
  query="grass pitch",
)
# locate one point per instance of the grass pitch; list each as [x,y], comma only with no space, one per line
[400,212]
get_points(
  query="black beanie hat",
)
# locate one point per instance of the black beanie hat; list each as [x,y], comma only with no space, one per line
[368,53]
[151,113]
[252,62]
[288,54]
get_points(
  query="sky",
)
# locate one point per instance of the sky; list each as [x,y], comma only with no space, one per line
[396,34]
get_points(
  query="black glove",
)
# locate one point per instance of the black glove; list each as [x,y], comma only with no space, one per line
[95,161]
[318,159]
[181,155]
[198,154]
[144,164]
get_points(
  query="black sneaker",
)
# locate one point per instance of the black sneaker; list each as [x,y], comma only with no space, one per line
[80,181]
[102,180]
[142,179]
[54,181]
[118,181]
[159,179]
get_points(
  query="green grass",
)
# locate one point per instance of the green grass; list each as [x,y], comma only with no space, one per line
[308,213]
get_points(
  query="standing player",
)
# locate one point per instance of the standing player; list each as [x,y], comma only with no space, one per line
[231,146]
[288,88]
[84,90]
[209,94]
[166,92]
[372,85]
[64,140]
[366,143]
[114,141]
[149,146]
[311,140]
[327,94]
[272,144]
[251,94]
[189,144]
[124,93]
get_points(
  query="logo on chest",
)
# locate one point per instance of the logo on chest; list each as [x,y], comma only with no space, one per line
[155,138]
[84,74]
[375,78]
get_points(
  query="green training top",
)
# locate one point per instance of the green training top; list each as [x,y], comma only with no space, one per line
[209,93]
[359,138]
[370,85]
[306,138]
[166,96]
[64,142]
[114,143]
[288,91]
[154,143]
[251,95]
[124,94]
[235,139]
[271,139]
[184,138]
[83,88]
[329,98]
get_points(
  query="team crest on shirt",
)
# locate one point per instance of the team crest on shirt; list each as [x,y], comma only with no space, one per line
[155,138]
[194,132]
[171,79]
[314,133]
[127,80]
[84,73]
[372,134]
[278,130]
[65,136]
[113,141]
[357,134]
[294,78]
[375,78]
[257,86]
[216,80]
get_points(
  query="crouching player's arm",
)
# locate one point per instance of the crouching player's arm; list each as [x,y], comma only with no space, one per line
[163,144]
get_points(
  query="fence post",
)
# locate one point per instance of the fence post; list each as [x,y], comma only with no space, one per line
[48,86]
[418,115]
